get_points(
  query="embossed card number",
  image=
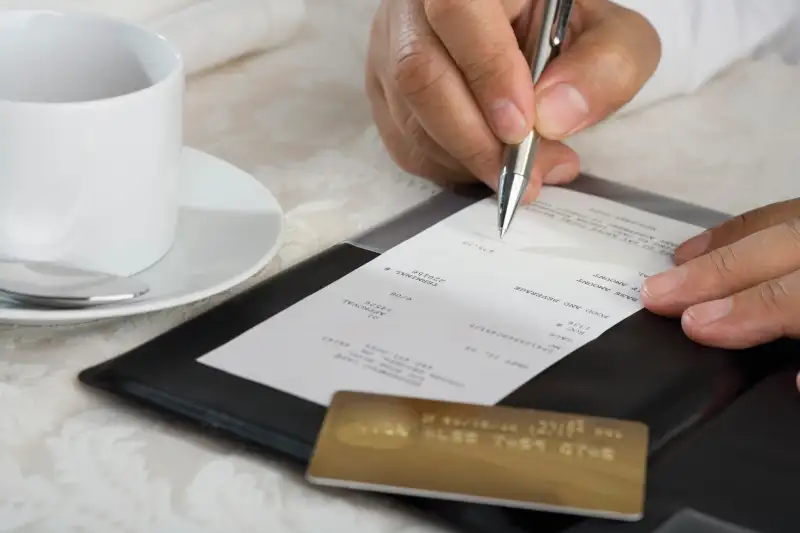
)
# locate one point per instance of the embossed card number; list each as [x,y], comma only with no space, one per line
[487,454]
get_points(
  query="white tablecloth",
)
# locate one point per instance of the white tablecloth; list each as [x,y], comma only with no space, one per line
[72,461]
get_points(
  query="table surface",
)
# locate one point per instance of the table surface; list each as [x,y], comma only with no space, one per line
[297,119]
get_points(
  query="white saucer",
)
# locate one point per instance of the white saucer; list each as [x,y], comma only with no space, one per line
[229,228]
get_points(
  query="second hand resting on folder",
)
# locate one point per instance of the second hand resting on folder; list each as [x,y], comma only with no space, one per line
[449,86]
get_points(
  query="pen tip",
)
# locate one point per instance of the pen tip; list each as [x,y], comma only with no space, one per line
[512,188]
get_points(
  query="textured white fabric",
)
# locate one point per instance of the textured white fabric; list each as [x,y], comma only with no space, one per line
[72,461]
[212,32]
[138,10]
[700,38]
[207,32]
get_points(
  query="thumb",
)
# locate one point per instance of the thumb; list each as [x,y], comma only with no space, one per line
[612,53]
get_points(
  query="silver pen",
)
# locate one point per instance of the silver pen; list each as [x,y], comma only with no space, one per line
[518,158]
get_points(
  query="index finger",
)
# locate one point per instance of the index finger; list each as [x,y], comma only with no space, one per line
[479,37]
[759,257]
[737,228]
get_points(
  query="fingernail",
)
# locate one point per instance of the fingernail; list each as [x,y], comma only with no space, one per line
[798,381]
[508,122]
[560,174]
[709,312]
[694,247]
[660,285]
[560,110]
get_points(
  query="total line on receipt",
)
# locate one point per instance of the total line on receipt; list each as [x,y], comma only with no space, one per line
[456,314]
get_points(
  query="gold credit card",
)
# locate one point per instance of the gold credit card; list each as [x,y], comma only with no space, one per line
[494,455]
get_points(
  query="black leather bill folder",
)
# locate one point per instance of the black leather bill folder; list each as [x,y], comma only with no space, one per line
[724,425]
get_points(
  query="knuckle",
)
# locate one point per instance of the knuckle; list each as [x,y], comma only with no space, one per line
[480,156]
[477,154]
[773,295]
[791,229]
[412,158]
[409,160]
[744,224]
[738,225]
[398,151]
[618,67]
[417,135]
[724,262]
[416,70]
[443,11]
[373,88]
[494,66]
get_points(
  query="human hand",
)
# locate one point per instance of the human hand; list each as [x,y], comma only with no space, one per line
[737,285]
[448,83]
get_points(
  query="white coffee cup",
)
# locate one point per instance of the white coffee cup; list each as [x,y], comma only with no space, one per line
[91,134]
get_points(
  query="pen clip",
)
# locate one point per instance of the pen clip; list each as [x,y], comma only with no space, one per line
[560,24]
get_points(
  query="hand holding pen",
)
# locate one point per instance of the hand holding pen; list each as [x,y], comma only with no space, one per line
[450,84]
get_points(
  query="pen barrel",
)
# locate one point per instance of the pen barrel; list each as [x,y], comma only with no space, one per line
[536,29]
[540,48]
[543,29]
[551,17]
[519,158]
